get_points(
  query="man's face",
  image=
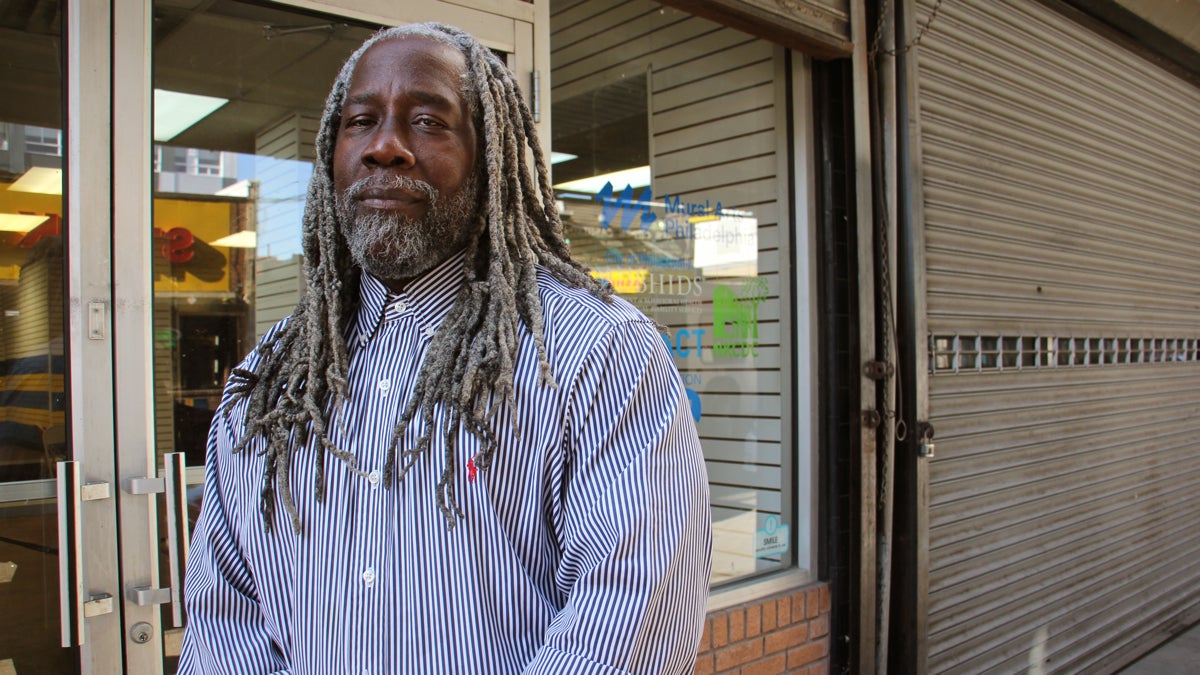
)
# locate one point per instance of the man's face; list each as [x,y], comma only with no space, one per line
[404,158]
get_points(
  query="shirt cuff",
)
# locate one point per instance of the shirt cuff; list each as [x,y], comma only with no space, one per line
[552,661]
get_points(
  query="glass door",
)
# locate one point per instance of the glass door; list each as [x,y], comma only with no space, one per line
[56,450]
[237,92]
[139,261]
[33,421]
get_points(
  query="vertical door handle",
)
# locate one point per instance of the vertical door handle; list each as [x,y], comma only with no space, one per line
[70,562]
[175,471]
[73,606]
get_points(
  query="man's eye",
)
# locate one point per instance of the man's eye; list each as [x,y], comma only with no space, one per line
[358,122]
[427,122]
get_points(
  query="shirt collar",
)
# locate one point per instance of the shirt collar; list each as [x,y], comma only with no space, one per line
[427,299]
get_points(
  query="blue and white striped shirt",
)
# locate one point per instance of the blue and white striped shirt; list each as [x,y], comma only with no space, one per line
[585,548]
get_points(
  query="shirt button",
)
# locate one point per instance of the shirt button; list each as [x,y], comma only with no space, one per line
[429,331]
[385,384]
[362,339]
[400,306]
[373,477]
[368,577]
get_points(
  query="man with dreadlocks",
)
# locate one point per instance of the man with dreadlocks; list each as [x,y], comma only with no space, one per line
[461,453]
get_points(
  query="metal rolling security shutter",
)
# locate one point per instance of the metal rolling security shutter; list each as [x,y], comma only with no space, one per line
[1062,207]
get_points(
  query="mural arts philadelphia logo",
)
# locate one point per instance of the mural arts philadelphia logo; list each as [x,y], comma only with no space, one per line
[678,217]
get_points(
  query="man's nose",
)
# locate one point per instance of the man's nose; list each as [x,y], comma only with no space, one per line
[388,146]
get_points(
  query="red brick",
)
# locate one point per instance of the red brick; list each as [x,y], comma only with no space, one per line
[704,665]
[820,667]
[737,625]
[739,654]
[814,603]
[770,620]
[706,637]
[807,655]
[753,620]
[825,601]
[784,607]
[819,626]
[772,665]
[798,607]
[720,630]
[785,638]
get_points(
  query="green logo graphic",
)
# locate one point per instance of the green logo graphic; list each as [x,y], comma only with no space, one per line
[735,319]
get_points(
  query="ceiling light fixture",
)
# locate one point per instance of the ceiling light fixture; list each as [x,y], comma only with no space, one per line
[20,222]
[175,112]
[39,179]
[636,177]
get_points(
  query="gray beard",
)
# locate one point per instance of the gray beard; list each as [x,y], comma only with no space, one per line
[394,247]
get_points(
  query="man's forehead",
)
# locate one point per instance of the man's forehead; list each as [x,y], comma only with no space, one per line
[418,54]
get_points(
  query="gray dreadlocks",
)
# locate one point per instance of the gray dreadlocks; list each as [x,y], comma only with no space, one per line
[468,368]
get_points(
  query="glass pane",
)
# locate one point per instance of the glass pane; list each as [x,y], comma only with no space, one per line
[665,153]
[33,434]
[239,91]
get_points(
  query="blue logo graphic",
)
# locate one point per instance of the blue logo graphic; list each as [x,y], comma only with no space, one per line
[694,399]
[675,212]
[626,205]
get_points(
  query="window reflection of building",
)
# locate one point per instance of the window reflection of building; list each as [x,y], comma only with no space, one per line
[42,141]
[193,170]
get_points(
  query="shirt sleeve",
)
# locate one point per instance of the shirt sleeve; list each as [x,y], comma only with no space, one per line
[225,632]
[634,517]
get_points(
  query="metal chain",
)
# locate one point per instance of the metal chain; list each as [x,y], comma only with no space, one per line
[883,11]
[912,45]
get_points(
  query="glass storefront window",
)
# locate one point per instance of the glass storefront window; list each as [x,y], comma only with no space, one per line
[33,420]
[666,151]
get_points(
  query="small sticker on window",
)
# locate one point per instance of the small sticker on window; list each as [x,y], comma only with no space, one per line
[772,540]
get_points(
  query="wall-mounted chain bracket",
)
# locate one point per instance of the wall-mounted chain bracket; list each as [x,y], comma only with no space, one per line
[878,370]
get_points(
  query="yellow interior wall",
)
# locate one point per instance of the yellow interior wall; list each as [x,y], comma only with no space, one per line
[11,256]
[208,221]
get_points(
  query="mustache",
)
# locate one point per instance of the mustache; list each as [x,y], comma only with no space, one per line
[355,190]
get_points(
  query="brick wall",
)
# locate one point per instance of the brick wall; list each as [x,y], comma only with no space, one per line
[785,633]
